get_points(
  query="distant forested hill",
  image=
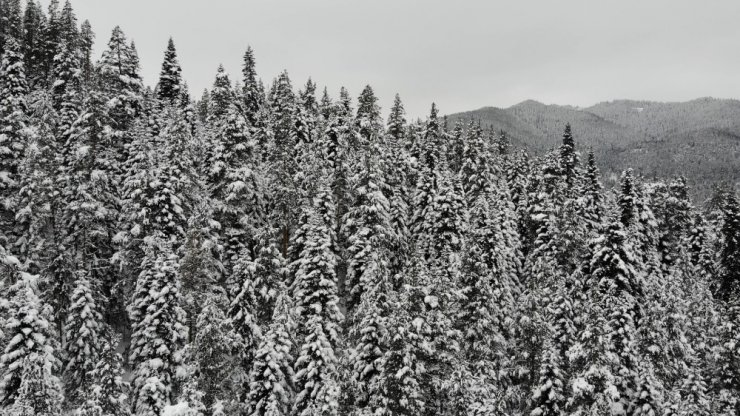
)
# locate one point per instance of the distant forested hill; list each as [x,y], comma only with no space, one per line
[699,139]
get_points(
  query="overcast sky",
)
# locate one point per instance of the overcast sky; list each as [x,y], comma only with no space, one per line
[462,54]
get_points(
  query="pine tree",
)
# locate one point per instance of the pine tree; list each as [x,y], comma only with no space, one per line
[158,325]
[607,351]
[39,393]
[549,399]
[503,144]
[369,229]
[242,314]
[268,271]
[283,164]
[326,106]
[426,151]
[729,258]
[592,206]
[87,41]
[13,119]
[199,265]
[120,81]
[368,339]
[170,78]
[627,201]
[12,22]
[319,317]
[448,211]
[369,122]
[475,170]
[483,318]
[397,121]
[568,157]
[34,24]
[456,146]
[82,335]
[107,395]
[68,31]
[432,295]
[253,99]
[28,358]
[400,381]
[211,350]
[271,379]
[221,96]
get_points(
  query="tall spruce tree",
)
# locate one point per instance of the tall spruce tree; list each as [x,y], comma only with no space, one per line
[159,332]
[170,78]
[316,373]
[729,258]
[251,92]
[13,121]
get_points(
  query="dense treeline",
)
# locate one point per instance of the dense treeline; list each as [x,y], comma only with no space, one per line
[263,251]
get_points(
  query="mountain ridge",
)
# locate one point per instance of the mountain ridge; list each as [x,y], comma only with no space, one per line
[699,138]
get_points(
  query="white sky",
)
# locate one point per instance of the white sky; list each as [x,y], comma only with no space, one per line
[462,54]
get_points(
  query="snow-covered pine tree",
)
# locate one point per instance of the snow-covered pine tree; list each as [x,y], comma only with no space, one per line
[447,215]
[399,383]
[368,121]
[304,136]
[475,169]
[456,146]
[432,298]
[251,92]
[368,339]
[268,272]
[221,97]
[672,208]
[28,360]
[326,106]
[211,350]
[68,30]
[397,121]
[606,352]
[426,150]
[592,205]
[51,37]
[569,158]
[485,312]
[242,314]
[159,191]
[369,230]
[12,29]
[83,330]
[199,265]
[119,80]
[627,200]
[34,22]
[87,41]
[121,86]
[728,272]
[13,133]
[548,398]
[282,164]
[235,187]
[170,78]
[316,296]
[40,391]
[503,144]
[107,396]
[272,388]
[158,326]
